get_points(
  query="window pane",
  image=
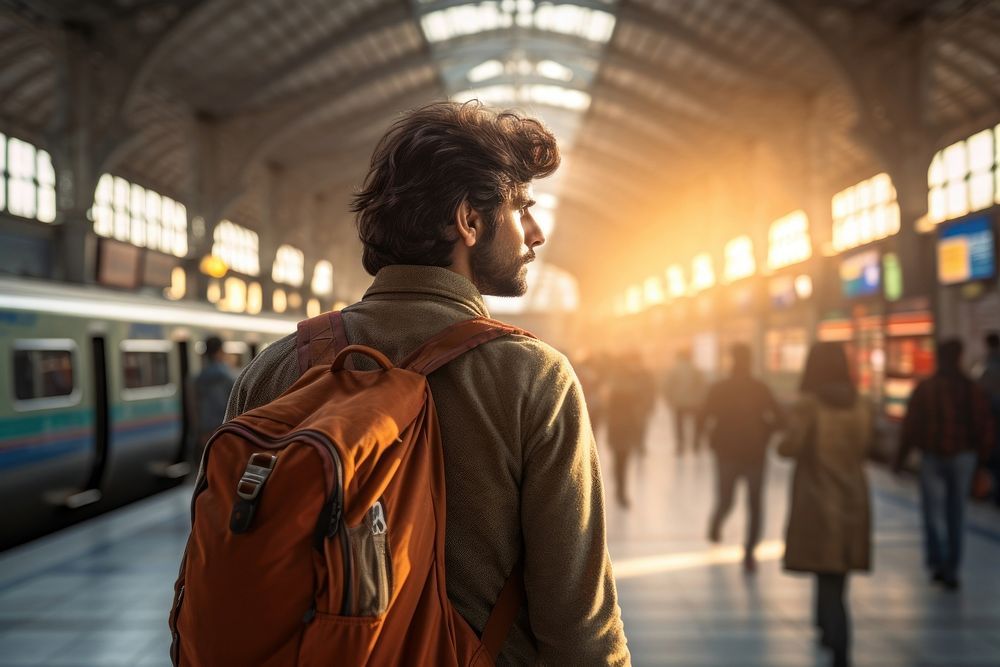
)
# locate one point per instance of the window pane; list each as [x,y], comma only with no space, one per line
[42,374]
[21,171]
[145,369]
[937,205]
[981,151]
[958,199]
[121,201]
[956,161]
[935,175]
[980,190]
[46,204]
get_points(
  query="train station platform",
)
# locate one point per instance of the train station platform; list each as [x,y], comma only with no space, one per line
[98,594]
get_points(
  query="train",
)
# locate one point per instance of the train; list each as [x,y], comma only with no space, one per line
[95,402]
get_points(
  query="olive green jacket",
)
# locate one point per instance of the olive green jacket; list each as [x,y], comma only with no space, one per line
[829,518]
[521,467]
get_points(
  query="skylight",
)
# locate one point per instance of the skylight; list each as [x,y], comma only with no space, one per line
[487,70]
[520,66]
[591,24]
[502,94]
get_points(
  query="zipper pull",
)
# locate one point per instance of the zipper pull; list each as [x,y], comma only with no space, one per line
[376,518]
[334,524]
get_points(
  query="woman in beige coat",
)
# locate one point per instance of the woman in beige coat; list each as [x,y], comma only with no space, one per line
[829,523]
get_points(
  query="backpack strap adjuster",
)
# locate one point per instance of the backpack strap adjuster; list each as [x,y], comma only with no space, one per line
[259,468]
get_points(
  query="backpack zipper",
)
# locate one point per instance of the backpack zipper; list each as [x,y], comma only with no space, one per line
[336,498]
[378,524]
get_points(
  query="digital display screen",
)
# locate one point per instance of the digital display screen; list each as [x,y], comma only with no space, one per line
[118,264]
[156,269]
[967,251]
[861,274]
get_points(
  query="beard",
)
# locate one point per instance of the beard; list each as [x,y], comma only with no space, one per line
[500,271]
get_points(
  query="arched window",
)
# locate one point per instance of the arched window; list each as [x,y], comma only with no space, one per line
[322,280]
[864,213]
[789,240]
[288,266]
[27,180]
[139,216]
[238,247]
[964,177]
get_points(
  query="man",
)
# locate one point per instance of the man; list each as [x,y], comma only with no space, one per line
[212,387]
[684,395]
[989,380]
[444,217]
[740,414]
[631,397]
[948,419]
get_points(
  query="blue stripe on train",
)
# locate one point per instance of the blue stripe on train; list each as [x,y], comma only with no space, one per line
[15,458]
[127,436]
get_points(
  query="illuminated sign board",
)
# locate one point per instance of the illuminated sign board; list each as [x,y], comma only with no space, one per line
[861,274]
[967,251]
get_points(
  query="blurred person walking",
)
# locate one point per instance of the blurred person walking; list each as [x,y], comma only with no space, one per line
[630,405]
[989,380]
[593,375]
[948,420]
[829,523]
[211,389]
[684,388]
[739,416]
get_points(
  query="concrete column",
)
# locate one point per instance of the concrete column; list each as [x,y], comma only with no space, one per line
[72,140]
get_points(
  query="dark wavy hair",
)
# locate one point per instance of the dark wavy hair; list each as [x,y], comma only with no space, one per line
[429,162]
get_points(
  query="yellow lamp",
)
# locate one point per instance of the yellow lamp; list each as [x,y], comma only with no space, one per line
[213,266]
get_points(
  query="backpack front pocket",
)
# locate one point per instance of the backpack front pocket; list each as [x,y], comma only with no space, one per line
[372,563]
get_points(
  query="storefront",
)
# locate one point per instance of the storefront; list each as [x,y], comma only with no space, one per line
[968,293]
[740,318]
[910,351]
[788,328]
[861,288]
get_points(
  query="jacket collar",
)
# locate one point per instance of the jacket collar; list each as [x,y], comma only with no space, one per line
[398,280]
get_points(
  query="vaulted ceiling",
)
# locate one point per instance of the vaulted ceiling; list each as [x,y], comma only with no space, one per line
[656,102]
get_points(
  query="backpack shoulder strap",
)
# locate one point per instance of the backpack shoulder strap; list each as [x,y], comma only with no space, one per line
[455,341]
[319,339]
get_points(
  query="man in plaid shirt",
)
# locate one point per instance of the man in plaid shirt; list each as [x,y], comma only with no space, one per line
[948,418]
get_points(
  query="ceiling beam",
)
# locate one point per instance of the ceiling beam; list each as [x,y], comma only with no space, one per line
[373,20]
[646,17]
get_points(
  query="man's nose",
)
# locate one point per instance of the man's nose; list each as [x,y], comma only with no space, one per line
[533,235]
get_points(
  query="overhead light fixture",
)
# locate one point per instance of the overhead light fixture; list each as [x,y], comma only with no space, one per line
[213,266]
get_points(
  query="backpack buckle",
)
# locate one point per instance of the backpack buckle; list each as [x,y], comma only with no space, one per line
[258,469]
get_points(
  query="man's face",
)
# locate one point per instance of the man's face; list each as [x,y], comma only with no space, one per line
[500,265]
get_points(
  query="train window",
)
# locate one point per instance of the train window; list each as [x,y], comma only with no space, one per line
[146,368]
[44,373]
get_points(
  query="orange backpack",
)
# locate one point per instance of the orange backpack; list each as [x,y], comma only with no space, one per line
[318,521]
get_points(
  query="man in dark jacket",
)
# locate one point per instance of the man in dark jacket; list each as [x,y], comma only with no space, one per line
[740,414]
[212,387]
[948,419]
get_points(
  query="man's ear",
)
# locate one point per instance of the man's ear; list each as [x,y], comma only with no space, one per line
[468,223]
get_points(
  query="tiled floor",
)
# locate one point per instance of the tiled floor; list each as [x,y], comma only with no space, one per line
[97,594]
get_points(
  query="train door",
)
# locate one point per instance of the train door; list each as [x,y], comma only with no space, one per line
[91,492]
[183,448]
